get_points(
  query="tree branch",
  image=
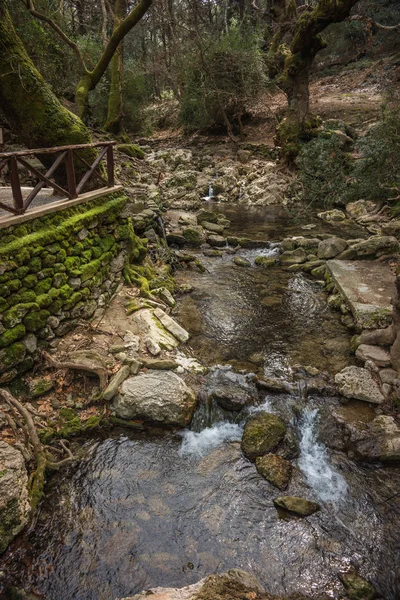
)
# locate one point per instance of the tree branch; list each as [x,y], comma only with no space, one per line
[42,17]
[375,23]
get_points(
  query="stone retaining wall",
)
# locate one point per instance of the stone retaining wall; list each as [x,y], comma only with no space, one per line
[58,269]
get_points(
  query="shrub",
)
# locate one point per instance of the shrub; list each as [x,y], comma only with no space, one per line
[221,78]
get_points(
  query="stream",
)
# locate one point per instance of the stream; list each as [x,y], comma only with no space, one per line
[143,510]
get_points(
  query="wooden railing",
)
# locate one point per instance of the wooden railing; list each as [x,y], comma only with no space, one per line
[66,155]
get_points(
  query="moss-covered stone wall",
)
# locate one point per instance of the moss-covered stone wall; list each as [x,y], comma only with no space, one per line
[58,269]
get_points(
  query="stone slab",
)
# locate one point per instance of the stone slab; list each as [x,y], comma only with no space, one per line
[367,287]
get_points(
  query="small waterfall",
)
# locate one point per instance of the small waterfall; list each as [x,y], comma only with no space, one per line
[200,443]
[160,224]
[210,191]
[327,483]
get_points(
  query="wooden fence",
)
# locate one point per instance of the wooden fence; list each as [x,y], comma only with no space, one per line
[66,156]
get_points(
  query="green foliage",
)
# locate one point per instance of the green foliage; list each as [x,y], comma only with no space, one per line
[377,173]
[324,169]
[224,76]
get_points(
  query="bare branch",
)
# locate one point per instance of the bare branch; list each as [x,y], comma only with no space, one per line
[375,23]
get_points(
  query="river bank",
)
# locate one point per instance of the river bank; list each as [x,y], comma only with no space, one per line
[149,506]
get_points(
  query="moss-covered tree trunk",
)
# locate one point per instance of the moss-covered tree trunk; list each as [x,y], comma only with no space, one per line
[90,79]
[32,110]
[291,52]
[115,99]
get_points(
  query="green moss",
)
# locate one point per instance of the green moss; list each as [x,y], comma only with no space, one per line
[96,252]
[60,279]
[12,335]
[14,315]
[87,255]
[106,243]
[76,297]
[26,297]
[54,293]
[72,262]
[61,255]
[131,150]
[55,306]
[11,356]
[36,320]
[35,264]
[48,260]
[43,300]
[59,268]
[90,269]
[30,281]
[65,292]
[21,272]
[53,248]
[22,256]
[44,286]
[3,304]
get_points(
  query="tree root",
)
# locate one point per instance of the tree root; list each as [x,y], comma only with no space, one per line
[41,454]
[101,372]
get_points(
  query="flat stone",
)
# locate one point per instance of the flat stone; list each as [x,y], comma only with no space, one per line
[172,326]
[300,506]
[373,247]
[214,227]
[367,288]
[358,383]
[115,382]
[378,355]
[381,441]
[159,364]
[157,397]
[165,295]
[151,328]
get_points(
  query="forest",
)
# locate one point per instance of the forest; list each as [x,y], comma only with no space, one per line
[199,299]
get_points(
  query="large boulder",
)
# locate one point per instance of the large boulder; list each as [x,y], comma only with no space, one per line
[158,397]
[373,247]
[235,584]
[358,383]
[262,433]
[331,247]
[14,498]
[231,390]
[274,469]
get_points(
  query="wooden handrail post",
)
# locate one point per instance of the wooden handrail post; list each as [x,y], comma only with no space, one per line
[71,180]
[110,166]
[16,186]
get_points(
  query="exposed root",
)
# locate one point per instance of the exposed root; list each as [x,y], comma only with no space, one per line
[101,372]
[41,454]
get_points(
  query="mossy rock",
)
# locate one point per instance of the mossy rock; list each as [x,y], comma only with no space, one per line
[132,150]
[15,315]
[274,469]
[36,320]
[90,269]
[43,286]
[357,588]
[12,335]
[265,261]
[262,433]
[299,506]
[39,387]
[194,235]
[12,356]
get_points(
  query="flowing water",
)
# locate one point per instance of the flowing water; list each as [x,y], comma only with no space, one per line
[144,510]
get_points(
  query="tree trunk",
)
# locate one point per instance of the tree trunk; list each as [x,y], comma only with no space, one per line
[90,79]
[28,103]
[115,98]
